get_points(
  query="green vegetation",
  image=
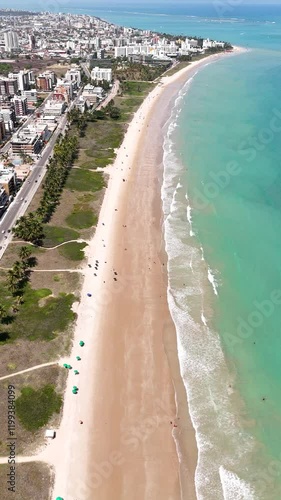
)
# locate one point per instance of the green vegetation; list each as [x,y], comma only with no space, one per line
[35,314]
[30,227]
[177,68]
[82,219]
[85,180]
[56,235]
[34,408]
[73,251]
[138,71]
[136,88]
[115,113]
[18,277]
[5,68]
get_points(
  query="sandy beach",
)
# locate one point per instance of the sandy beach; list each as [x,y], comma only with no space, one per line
[131,397]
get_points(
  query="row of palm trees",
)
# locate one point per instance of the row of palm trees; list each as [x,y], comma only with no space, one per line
[76,117]
[30,227]
[18,275]
[17,279]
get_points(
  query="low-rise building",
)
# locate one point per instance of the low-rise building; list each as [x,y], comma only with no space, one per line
[8,180]
[93,94]
[4,200]
[100,74]
[73,75]
[54,108]
[22,171]
[26,142]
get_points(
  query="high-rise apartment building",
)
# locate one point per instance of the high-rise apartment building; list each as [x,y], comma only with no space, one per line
[20,104]
[8,86]
[11,40]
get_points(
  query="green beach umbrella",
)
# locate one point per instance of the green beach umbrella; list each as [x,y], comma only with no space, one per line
[65,365]
[76,372]
[78,358]
[81,343]
[59,498]
[76,388]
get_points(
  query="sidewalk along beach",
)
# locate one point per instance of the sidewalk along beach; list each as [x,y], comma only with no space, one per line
[137,439]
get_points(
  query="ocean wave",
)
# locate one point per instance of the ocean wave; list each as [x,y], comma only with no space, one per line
[234,488]
[223,445]
[212,280]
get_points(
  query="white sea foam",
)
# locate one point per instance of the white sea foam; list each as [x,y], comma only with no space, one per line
[234,488]
[222,444]
[189,218]
[204,321]
[212,279]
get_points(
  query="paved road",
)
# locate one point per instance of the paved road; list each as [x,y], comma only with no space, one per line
[86,70]
[111,95]
[25,195]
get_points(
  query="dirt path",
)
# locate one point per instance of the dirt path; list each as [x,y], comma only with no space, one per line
[29,369]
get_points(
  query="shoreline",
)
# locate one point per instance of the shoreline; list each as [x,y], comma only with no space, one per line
[135,377]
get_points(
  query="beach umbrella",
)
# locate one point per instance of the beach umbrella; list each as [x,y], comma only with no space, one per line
[78,358]
[65,365]
[59,498]
[81,343]
[89,294]
[75,388]
[76,372]
[74,391]
[69,367]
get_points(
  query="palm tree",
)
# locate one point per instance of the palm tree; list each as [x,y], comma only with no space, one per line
[3,312]
[25,252]
[12,281]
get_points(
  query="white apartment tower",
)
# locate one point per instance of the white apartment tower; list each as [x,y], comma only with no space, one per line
[11,40]
[99,74]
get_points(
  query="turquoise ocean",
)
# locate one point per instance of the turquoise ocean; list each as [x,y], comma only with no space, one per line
[222,204]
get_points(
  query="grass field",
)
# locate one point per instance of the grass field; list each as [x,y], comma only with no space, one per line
[57,235]
[85,180]
[33,481]
[28,433]
[137,88]
[40,316]
[82,219]
[73,251]
[35,407]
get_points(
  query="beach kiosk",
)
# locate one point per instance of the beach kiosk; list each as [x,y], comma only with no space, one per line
[50,434]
